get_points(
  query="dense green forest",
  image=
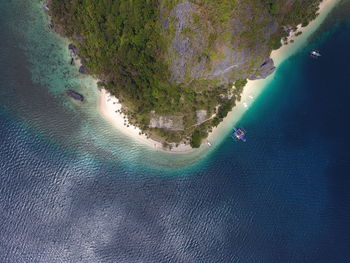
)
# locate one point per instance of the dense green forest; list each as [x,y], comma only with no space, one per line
[125,45]
[122,43]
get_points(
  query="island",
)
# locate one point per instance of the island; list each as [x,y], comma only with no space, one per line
[176,68]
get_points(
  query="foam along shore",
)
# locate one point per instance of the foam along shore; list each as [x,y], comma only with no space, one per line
[109,106]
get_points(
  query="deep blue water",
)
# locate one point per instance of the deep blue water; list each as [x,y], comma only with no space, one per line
[72,191]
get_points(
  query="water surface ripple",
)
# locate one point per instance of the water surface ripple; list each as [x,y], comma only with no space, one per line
[74,190]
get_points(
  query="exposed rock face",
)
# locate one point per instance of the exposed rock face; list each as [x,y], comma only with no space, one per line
[201,116]
[167,122]
[184,48]
[266,69]
[201,51]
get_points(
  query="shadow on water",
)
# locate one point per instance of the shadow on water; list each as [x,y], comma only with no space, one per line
[66,196]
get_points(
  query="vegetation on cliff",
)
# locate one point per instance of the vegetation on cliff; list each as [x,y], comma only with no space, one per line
[178,66]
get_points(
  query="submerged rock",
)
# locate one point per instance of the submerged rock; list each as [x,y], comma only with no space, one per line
[75,95]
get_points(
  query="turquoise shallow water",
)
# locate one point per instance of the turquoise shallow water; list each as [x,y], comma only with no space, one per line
[74,190]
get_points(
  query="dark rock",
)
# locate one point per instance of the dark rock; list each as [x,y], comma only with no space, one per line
[79,38]
[71,46]
[266,69]
[73,50]
[75,95]
[83,69]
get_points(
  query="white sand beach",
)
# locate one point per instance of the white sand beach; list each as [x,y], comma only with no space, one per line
[109,105]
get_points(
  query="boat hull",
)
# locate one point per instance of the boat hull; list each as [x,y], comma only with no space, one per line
[238,134]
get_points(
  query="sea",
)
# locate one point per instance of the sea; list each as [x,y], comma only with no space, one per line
[73,189]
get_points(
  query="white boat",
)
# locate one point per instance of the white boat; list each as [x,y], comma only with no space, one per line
[209,143]
[315,53]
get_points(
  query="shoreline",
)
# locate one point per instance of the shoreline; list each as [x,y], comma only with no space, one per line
[108,105]
[255,87]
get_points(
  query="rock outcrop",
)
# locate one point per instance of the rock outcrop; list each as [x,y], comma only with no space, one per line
[166,122]
[202,50]
[265,69]
[83,69]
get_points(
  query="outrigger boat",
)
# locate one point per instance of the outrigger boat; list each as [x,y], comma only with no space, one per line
[315,53]
[239,134]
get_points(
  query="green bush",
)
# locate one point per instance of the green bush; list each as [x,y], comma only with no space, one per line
[274,8]
[197,137]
